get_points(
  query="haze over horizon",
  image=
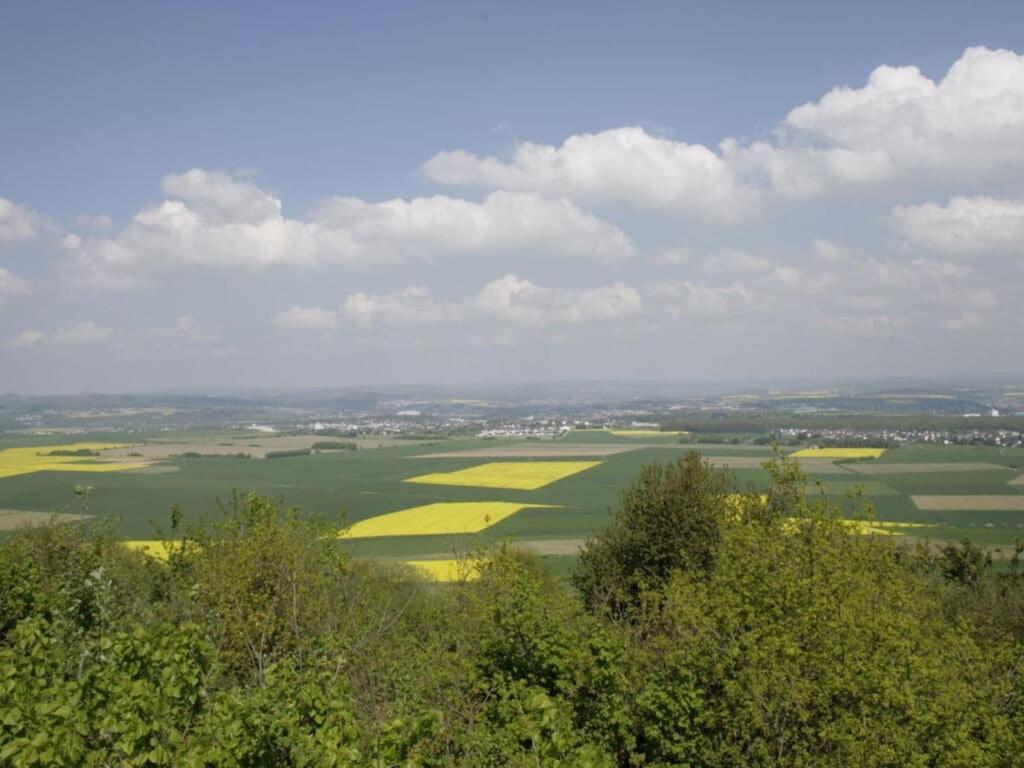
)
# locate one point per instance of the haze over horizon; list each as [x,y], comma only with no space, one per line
[207,197]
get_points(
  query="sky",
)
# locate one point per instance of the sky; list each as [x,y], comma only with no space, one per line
[207,195]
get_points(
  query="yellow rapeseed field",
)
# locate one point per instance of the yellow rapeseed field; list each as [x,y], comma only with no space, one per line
[22,461]
[446,571]
[838,453]
[159,550]
[865,527]
[644,433]
[518,475]
[740,504]
[444,517]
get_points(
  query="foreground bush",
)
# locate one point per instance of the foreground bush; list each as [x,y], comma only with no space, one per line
[707,629]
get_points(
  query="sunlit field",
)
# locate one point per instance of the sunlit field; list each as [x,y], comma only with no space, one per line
[440,518]
[516,475]
[445,571]
[644,433]
[159,550]
[839,453]
[40,458]
[366,487]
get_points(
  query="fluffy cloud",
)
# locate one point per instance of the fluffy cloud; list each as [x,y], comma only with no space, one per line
[796,171]
[214,220]
[16,222]
[79,334]
[963,225]
[624,165]
[965,322]
[410,306]
[970,122]
[767,274]
[866,326]
[26,339]
[513,300]
[704,301]
[966,126]
[183,332]
[307,319]
[12,285]
[218,198]
[508,300]
[503,221]
[86,332]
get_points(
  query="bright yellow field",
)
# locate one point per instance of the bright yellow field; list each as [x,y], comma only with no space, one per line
[865,527]
[838,453]
[22,461]
[446,571]
[155,549]
[644,433]
[518,475]
[443,517]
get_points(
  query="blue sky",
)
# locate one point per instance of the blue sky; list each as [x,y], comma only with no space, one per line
[643,248]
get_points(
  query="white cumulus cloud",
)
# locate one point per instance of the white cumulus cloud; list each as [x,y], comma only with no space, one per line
[16,222]
[214,220]
[970,121]
[411,306]
[964,225]
[623,165]
[514,300]
[701,300]
[307,319]
[12,285]
[967,126]
[80,334]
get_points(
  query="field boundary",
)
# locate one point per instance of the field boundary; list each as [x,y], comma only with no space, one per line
[970,502]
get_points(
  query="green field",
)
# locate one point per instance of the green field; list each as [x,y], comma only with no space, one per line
[365,483]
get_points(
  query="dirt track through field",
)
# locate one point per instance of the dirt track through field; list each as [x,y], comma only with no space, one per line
[551,546]
[810,466]
[908,468]
[538,451]
[257,446]
[12,519]
[971,503]
[1019,480]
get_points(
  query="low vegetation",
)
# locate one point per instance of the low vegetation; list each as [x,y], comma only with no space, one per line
[703,627]
[201,455]
[287,454]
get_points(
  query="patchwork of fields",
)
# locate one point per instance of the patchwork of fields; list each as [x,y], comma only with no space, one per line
[426,501]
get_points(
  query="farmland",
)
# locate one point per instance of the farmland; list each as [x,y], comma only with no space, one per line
[427,499]
[74,457]
[520,475]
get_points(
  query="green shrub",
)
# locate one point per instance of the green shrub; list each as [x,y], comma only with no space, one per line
[287,454]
